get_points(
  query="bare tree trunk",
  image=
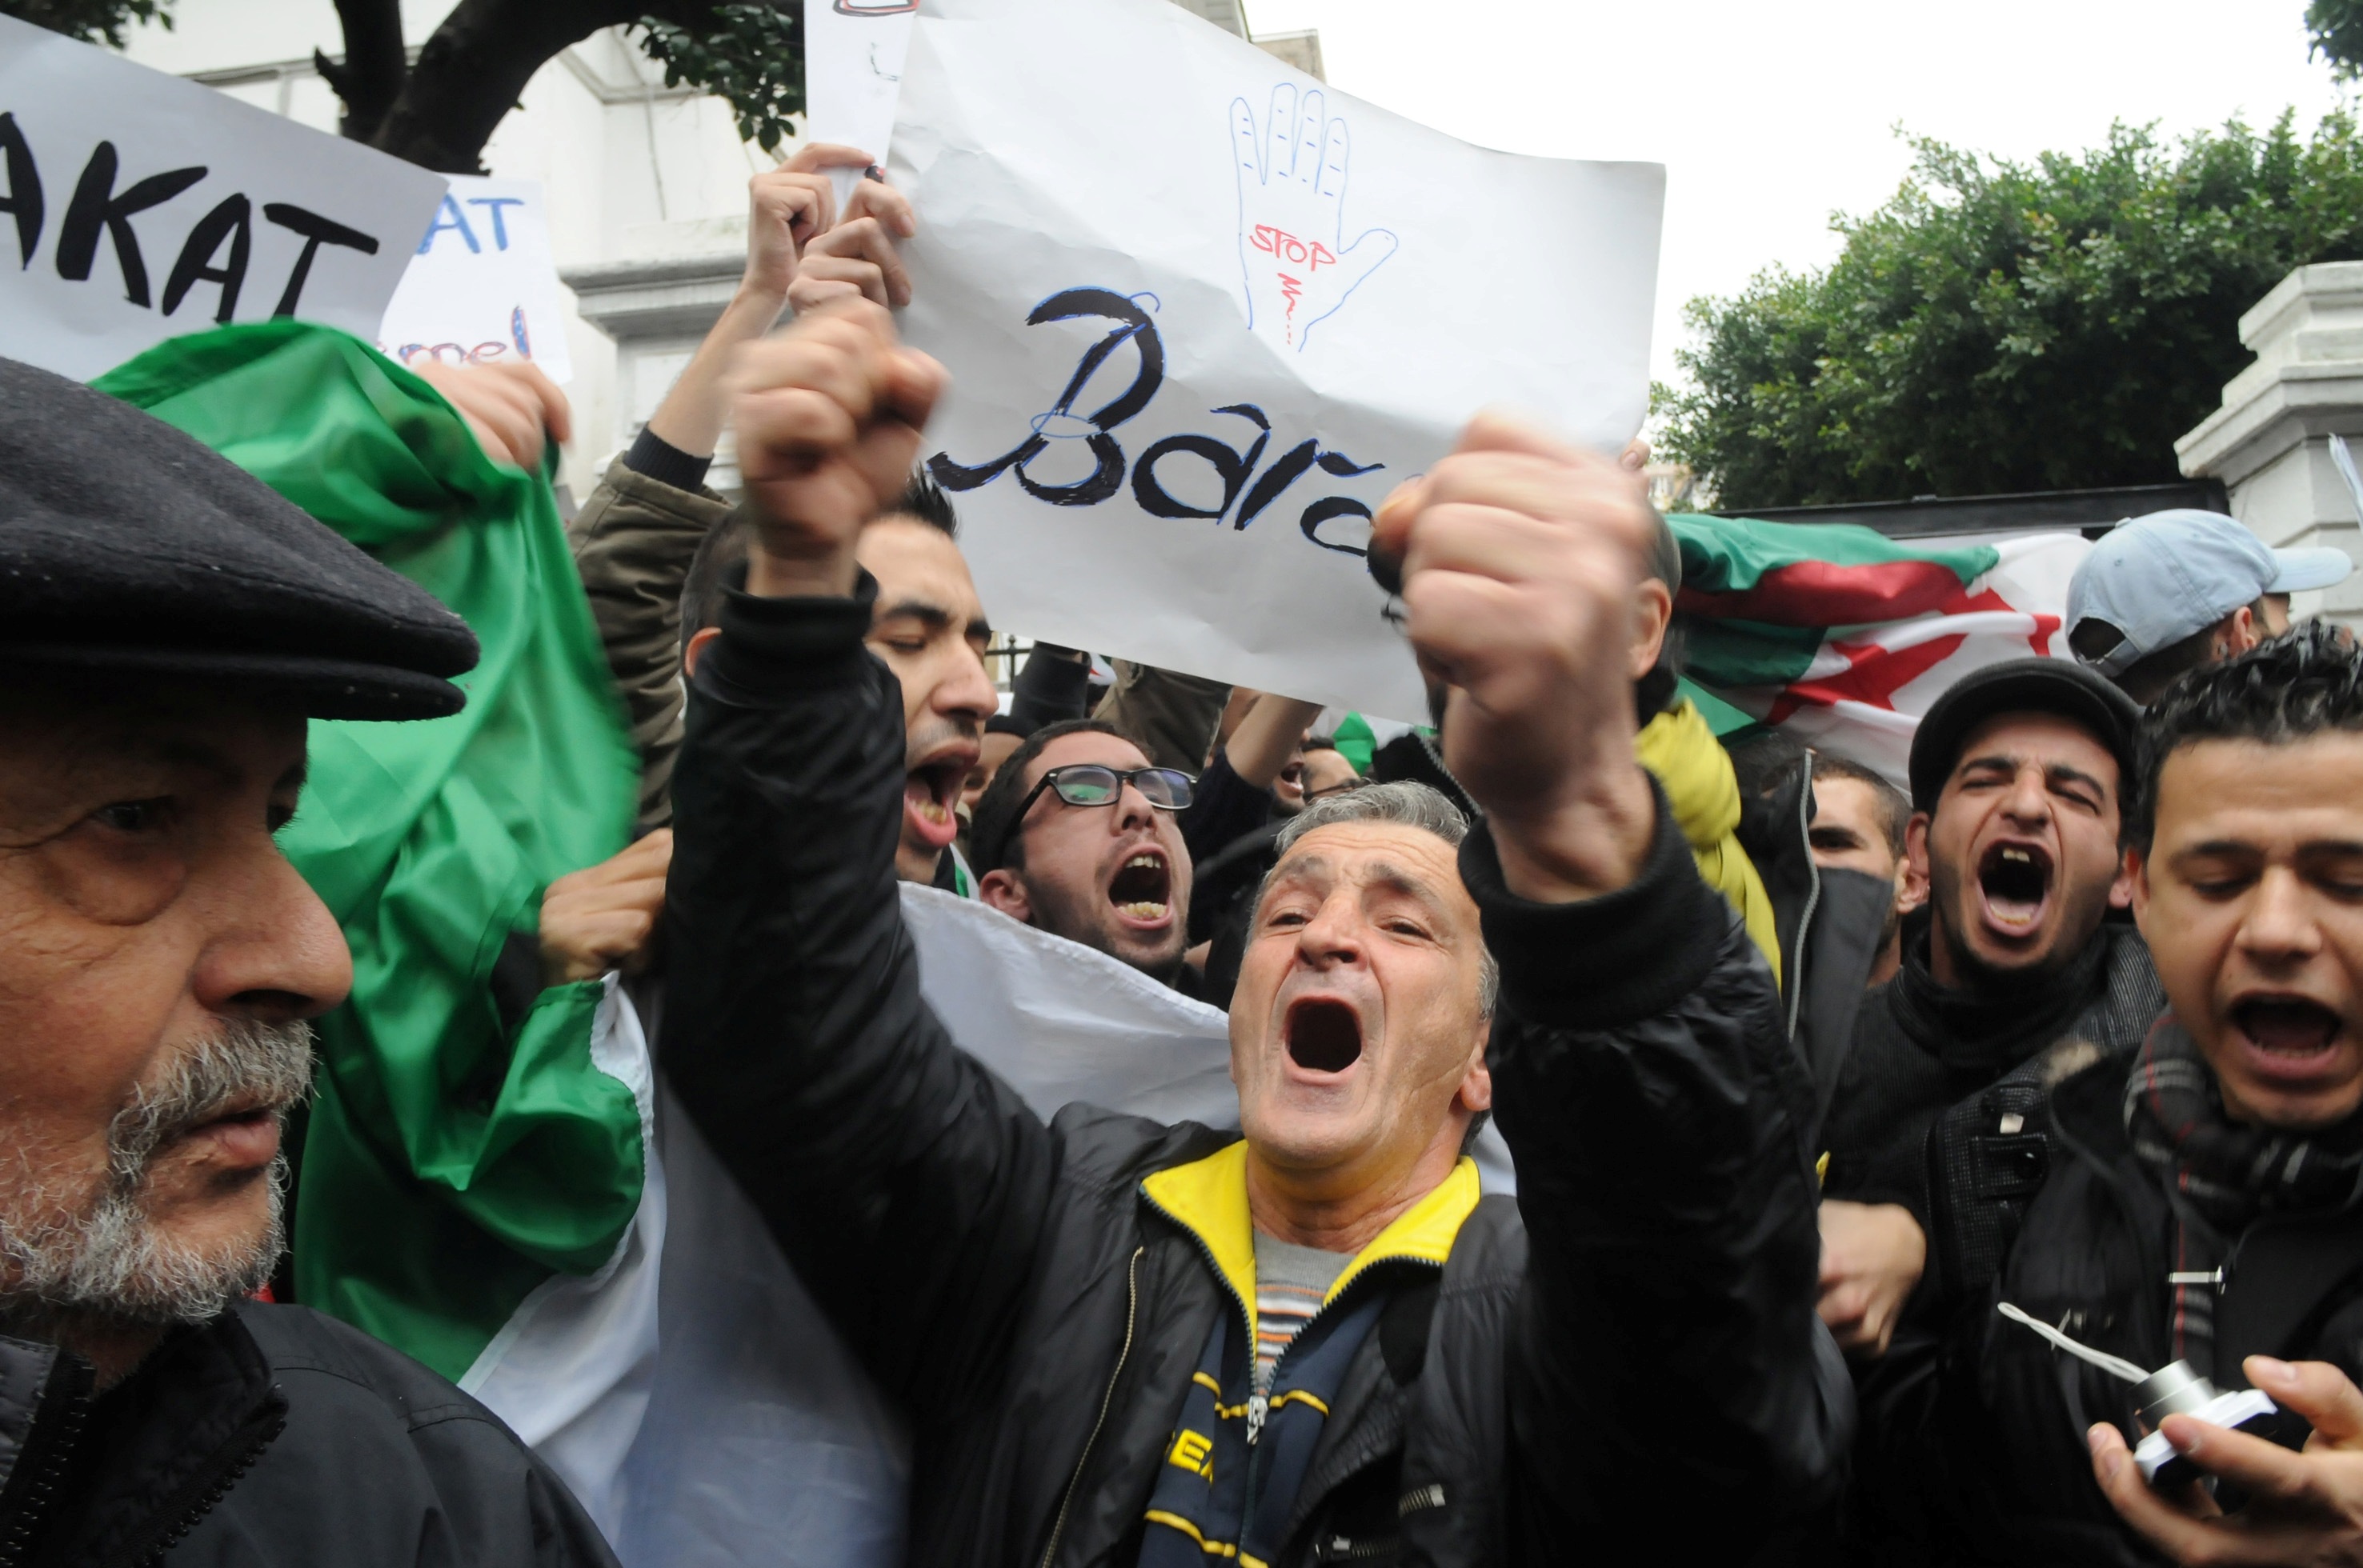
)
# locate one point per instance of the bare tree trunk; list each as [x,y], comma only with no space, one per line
[470,72]
[371,78]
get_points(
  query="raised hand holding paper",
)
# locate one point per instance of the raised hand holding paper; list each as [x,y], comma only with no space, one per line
[1201,314]
[145,206]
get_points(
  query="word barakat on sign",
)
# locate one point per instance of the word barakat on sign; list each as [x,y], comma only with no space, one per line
[98,211]
[1235,467]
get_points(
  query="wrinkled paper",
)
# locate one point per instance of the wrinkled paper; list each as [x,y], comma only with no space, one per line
[1201,312]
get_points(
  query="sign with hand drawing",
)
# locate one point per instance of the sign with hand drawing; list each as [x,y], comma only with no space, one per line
[1203,312]
[142,206]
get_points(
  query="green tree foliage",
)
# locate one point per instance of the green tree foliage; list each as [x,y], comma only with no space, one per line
[753,56]
[92,21]
[2000,326]
[2336,28]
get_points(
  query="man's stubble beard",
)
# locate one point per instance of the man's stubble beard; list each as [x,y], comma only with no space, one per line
[76,1253]
[1946,893]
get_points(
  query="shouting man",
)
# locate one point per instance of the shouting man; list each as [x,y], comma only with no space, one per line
[1123,1341]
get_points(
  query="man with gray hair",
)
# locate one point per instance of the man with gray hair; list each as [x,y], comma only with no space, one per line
[167,626]
[1127,1343]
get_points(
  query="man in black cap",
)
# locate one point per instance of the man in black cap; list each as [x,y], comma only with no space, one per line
[2017,779]
[167,626]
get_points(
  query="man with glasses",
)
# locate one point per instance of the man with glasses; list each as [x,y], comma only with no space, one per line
[1077,834]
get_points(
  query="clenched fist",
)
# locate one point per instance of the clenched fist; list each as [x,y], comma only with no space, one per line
[1524,566]
[828,415]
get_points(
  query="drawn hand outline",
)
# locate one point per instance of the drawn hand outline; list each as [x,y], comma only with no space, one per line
[1292,249]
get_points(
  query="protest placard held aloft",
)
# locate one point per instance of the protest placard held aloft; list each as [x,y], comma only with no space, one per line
[139,206]
[1202,311]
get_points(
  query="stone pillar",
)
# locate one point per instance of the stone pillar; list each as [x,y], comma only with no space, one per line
[2270,441]
[658,311]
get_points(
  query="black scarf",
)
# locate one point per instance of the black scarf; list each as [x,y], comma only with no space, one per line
[1987,1033]
[2220,1176]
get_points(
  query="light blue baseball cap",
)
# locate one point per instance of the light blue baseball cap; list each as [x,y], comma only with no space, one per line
[2171,575]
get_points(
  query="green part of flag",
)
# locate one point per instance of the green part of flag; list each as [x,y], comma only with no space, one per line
[1355,742]
[454,1158]
[1737,654]
[1731,555]
[1721,716]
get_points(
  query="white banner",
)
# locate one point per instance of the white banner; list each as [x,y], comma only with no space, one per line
[138,206]
[853,68]
[482,288]
[1203,313]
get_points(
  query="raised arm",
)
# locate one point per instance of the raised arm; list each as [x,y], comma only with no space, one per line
[904,1182]
[1669,1363]
[637,532]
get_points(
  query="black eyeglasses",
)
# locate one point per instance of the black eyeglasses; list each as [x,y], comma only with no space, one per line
[1090,784]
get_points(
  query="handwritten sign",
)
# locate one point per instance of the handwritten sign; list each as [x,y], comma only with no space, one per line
[1201,312]
[482,288]
[138,206]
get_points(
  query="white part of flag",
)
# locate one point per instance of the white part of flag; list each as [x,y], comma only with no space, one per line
[1256,303]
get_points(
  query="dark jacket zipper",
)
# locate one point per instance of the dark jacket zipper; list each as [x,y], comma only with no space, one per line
[1796,975]
[42,1489]
[1131,1319]
[199,1495]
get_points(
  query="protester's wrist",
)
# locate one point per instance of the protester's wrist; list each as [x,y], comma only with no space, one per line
[774,573]
[1586,844]
[758,300]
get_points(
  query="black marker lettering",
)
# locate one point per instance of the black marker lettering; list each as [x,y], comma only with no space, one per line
[1330,506]
[24,201]
[96,206]
[317,231]
[232,221]
[1234,467]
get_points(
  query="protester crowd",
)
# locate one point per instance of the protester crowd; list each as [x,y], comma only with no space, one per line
[1806,1077]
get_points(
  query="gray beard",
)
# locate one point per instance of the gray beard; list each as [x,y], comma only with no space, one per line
[74,1251]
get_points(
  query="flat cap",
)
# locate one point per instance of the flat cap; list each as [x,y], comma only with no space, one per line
[127,545]
[2052,686]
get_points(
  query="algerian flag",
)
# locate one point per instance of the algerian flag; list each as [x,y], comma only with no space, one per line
[463,1146]
[1844,638]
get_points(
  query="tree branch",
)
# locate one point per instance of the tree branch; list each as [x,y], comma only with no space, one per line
[371,78]
[470,72]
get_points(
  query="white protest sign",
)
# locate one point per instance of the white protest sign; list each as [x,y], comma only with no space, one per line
[482,288]
[141,207]
[853,69]
[1201,314]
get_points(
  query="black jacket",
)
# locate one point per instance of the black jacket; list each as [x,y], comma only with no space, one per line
[271,1436]
[1632,1344]
[1980,1430]
[1920,1049]
[1829,921]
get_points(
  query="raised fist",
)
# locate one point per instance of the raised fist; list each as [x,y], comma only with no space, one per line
[1524,563]
[828,416]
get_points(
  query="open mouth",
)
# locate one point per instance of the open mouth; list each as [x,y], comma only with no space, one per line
[2017,881]
[2294,1028]
[1142,888]
[930,791]
[1323,1035]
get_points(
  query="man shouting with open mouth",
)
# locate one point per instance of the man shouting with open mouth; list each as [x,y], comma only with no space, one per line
[1124,1342]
